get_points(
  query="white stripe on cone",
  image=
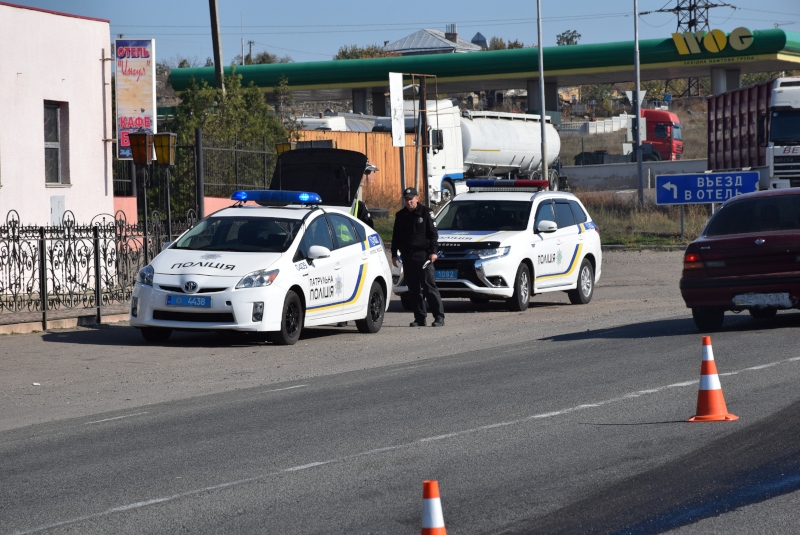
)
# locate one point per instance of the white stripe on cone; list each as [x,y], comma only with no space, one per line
[708,353]
[710,382]
[432,513]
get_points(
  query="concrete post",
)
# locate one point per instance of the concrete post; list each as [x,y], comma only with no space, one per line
[733,79]
[360,101]
[719,81]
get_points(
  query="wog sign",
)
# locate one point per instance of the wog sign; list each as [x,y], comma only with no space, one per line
[714,41]
[135,80]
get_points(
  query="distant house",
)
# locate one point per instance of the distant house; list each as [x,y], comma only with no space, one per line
[480,40]
[432,42]
[55,110]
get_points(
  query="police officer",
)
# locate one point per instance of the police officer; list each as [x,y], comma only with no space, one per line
[416,237]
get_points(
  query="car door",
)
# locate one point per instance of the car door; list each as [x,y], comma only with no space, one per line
[569,243]
[353,255]
[545,247]
[322,299]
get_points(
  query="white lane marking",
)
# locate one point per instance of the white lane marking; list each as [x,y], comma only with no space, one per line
[386,449]
[287,388]
[115,418]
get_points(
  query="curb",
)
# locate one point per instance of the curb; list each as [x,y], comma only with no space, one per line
[63,323]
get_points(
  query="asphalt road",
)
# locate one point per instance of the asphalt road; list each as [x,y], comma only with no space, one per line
[562,419]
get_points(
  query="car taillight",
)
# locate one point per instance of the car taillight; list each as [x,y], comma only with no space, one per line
[692,261]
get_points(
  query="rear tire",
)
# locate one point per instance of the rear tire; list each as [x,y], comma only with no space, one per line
[522,290]
[405,300]
[763,313]
[583,293]
[291,321]
[553,180]
[154,335]
[708,318]
[376,306]
[448,192]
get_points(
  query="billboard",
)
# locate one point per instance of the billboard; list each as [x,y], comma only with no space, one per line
[135,79]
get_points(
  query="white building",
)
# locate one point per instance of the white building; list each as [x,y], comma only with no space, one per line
[55,115]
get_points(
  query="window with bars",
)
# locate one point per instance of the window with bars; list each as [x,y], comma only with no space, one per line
[56,146]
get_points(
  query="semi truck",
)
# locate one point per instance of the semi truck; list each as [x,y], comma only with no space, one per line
[464,144]
[757,127]
[661,140]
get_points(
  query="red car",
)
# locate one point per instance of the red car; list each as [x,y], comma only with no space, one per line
[747,258]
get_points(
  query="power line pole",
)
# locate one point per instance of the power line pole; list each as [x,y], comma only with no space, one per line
[212,7]
[251,43]
[692,17]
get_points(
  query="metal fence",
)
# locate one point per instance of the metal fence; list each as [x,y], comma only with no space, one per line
[74,268]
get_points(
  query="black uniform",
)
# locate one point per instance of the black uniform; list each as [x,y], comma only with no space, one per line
[416,237]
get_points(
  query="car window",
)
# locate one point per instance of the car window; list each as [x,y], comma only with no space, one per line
[484,215]
[577,211]
[661,130]
[343,231]
[360,233]
[317,233]
[544,213]
[564,216]
[241,234]
[760,214]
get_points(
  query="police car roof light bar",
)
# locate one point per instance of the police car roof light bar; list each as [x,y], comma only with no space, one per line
[276,198]
[507,185]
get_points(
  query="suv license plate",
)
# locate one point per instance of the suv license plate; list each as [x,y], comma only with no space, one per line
[777,300]
[444,274]
[188,301]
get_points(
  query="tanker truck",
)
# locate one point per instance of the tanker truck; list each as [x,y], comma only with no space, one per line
[757,127]
[465,144]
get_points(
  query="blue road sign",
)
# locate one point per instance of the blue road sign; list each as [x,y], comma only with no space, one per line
[704,188]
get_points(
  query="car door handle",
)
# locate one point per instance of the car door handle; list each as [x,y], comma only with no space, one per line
[559,241]
[337,265]
[364,255]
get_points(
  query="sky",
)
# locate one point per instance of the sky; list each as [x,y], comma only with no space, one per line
[315,30]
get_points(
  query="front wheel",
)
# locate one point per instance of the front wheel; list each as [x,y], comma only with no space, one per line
[291,321]
[708,318]
[583,293]
[448,192]
[522,290]
[376,306]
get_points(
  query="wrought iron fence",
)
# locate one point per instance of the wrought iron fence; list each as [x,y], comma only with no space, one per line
[229,166]
[74,267]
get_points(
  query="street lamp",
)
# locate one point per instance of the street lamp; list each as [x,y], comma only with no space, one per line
[142,152]
[165,144]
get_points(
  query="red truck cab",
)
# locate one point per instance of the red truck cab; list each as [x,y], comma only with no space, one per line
[664,133]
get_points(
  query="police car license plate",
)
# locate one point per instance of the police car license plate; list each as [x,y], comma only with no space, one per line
[188,301]
[443,274]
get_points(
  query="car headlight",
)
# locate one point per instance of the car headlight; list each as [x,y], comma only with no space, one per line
[258,279]
[488,253]
[146,275]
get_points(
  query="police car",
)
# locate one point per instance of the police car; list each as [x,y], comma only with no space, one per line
[510,239]
[275,268]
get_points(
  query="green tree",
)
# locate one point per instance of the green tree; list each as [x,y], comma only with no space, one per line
[261,58]
[360,52]
[569,37]
[284,109]
[515,44]
[497,43]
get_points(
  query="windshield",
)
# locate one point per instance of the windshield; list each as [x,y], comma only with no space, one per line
[785,127]
[484,215]
[756,215]
[241,234]
[676,131]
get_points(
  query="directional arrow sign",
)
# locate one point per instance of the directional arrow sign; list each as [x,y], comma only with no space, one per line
[704,188]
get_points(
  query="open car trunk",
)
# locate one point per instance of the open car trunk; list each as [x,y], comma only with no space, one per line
[334,174]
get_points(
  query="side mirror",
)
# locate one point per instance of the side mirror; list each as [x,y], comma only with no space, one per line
[318,251]
[546,225]
[166,245]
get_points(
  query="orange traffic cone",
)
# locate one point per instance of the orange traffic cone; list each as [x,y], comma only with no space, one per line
[432,519]
[710,401]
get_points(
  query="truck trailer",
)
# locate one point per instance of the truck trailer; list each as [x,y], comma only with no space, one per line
[757,127]
[466,144]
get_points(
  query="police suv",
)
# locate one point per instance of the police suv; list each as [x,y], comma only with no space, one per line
[275,268]
[510,239]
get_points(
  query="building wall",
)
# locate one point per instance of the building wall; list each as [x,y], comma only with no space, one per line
[46,56]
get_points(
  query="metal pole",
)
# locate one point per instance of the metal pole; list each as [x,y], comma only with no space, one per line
[402,169]
[542,112]
[423,131]
[199,173]
[98,290]
[169,211]
[265,140]
[637,131]
[682,227]
[132,175]
[145,234]
[43,277]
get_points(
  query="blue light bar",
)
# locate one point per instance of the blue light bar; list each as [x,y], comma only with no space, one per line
[276,198]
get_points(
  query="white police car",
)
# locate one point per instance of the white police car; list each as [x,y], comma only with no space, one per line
[273,268]
[510,239]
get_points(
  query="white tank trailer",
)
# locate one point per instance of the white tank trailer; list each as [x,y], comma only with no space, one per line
[466,144]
